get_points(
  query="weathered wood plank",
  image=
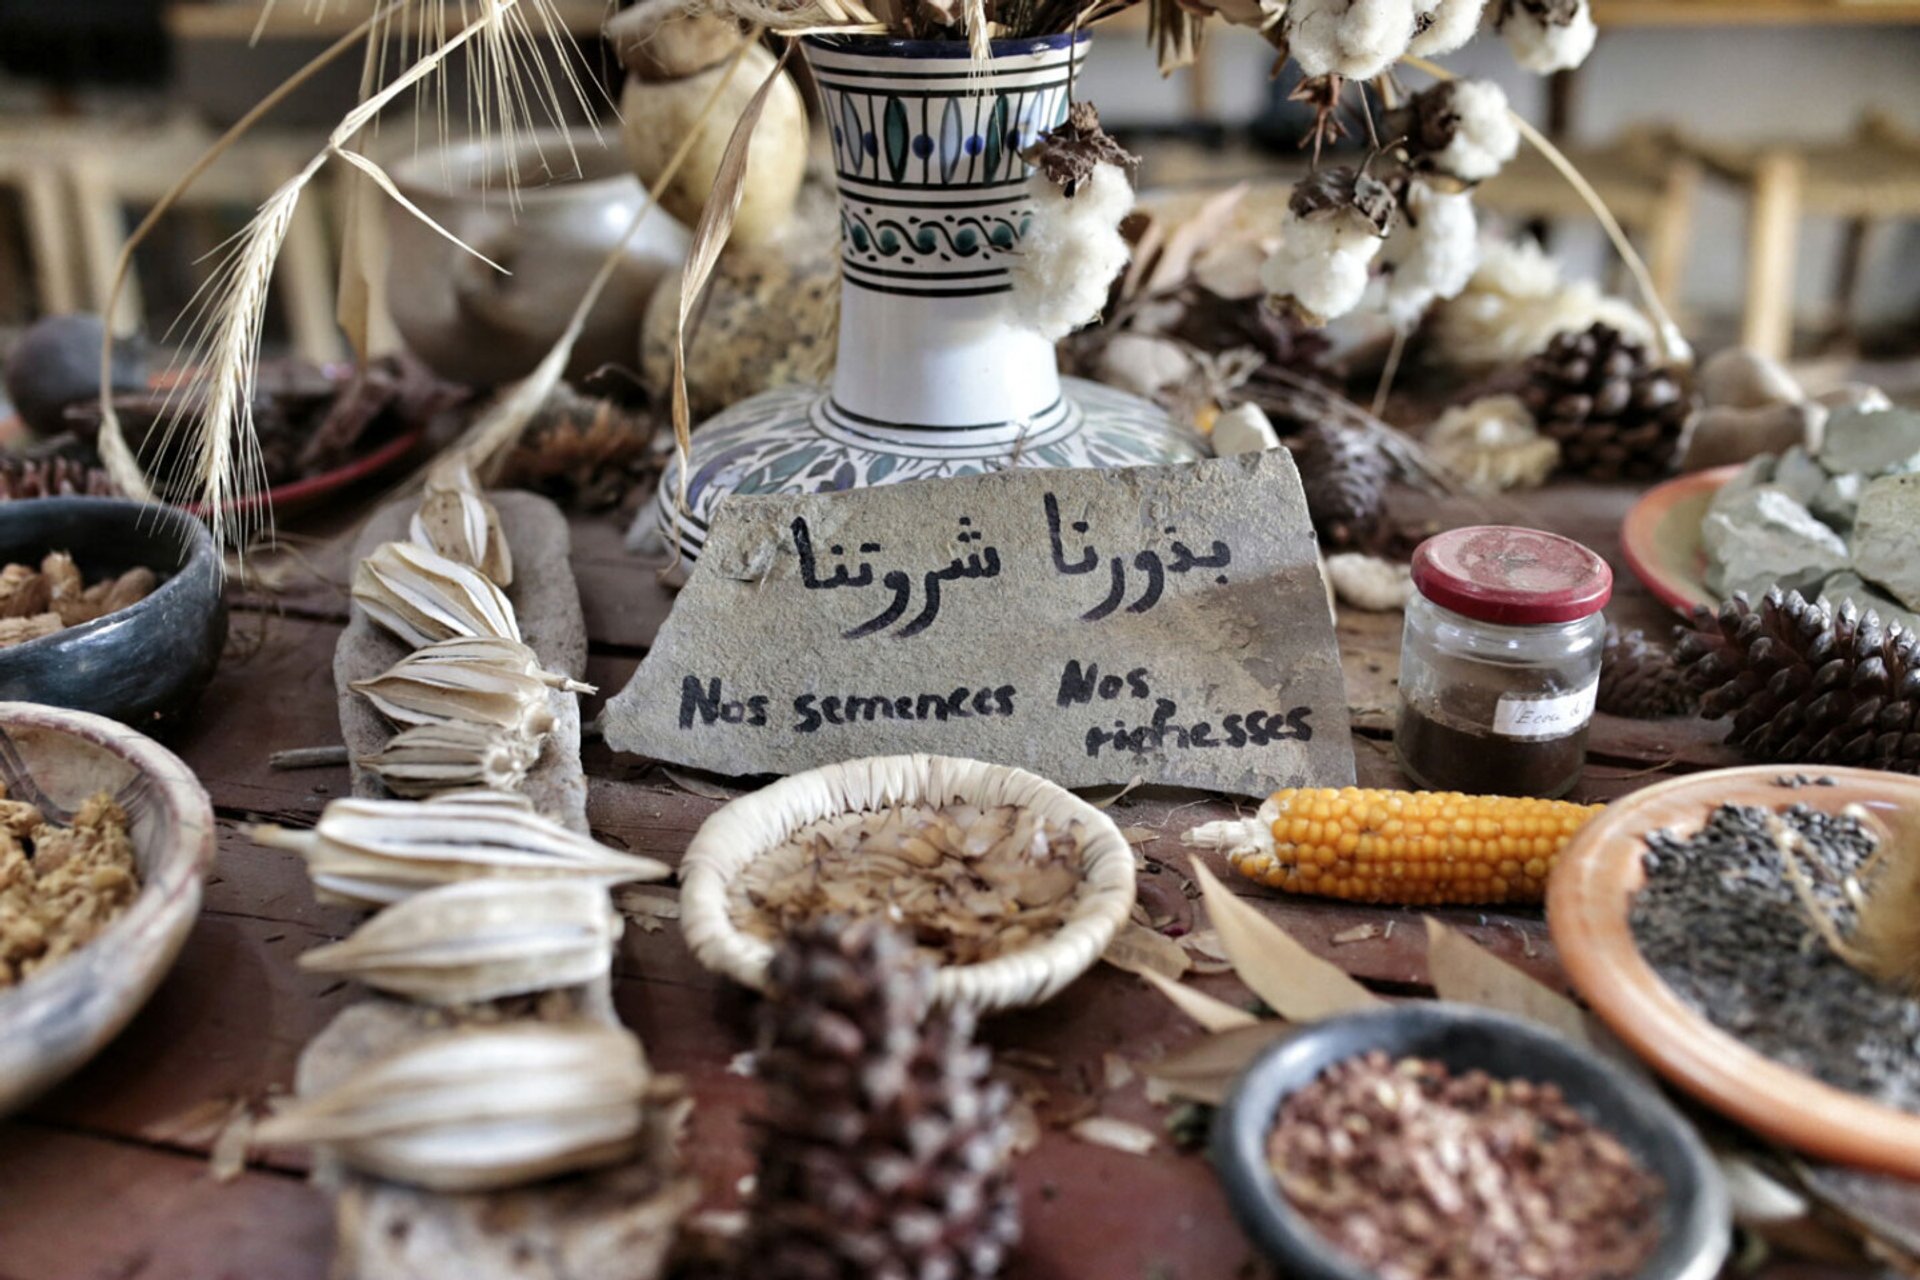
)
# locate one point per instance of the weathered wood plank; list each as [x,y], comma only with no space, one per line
[75,1207]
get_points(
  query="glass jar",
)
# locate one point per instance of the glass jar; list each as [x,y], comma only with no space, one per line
[1500,661]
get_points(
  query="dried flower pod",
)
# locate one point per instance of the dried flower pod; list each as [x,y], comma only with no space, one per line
[456,520]
[433,759]
[480,940]
[422,596]
[374,852]
[480,1108]
[495,651]
[1341,189]
[435,691]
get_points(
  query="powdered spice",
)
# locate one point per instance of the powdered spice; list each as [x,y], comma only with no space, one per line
[1419,1174]
[60,886]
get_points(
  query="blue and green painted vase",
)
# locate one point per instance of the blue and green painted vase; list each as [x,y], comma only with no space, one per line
[933,378]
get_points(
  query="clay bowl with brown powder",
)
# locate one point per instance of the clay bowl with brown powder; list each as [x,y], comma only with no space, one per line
[1680,1207]
[62,762]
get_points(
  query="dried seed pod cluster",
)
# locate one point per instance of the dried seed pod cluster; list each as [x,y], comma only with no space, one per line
[422,596]
[456,520]
[482,1107]
[967,884]
[375,852]
[480,940]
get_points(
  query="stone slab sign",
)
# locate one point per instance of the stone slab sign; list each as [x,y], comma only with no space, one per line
[1166,623]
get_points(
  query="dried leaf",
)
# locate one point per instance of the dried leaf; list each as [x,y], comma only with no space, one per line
[1300,986]
[1139,835]
[227,1159]
[1205,1070]
[1359,933]
[1116,1071]
[1464,971]
[1138,949]
[1210,1012]
[649,910]
[1120,1135]
[709,238]
[1193,237]
[1101,798]
[362,307]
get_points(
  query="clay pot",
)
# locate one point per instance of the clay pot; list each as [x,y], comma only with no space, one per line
[473,324]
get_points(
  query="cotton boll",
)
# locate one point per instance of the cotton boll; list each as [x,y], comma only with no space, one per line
[1484,137]
[1431,253]
[1321,263]
[1514,305]
[1450,24]
[1072,251]
[1354,38]
[1543,45]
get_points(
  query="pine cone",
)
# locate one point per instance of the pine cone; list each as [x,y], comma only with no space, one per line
[1805,684]
[1615,413]
[53,478]
[1638,678]
[1345,477]
[886,1149]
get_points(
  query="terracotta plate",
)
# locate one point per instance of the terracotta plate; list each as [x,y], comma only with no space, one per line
[1661,538]
[1587,903]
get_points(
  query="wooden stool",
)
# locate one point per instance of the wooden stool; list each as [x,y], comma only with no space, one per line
[1872,176]
[106,178]
[45,217]
[1645,177]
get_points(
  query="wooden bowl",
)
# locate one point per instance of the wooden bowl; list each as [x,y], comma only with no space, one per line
[1587,903]
[729,841]
[1661,538]
[1693,1213]
[62,1015]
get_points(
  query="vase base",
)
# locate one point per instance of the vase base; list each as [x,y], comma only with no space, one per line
[796,440]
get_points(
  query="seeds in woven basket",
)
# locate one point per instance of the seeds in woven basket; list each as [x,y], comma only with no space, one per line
[456,520]
[417,691]
[374,852]
[422,596]
[480,1108]
[432,759]
[967,884]
[479,940]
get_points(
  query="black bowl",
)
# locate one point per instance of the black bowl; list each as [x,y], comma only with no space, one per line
[1694,1222]
[143,663]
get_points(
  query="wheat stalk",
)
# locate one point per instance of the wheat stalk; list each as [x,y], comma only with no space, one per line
[220,461]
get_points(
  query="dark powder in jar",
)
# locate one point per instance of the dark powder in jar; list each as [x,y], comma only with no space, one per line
[1448,744]
[1720,923]
[1419,1174]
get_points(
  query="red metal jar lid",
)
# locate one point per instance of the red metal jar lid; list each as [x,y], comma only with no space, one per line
[1512,577]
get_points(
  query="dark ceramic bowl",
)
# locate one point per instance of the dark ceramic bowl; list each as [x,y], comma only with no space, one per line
[145,662]
[1694,1227]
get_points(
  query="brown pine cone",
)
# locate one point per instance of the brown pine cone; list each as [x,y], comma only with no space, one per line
[1345,474]
[1638,678]
[53,478]
[1616,414]
[1805,684]
[886,1148]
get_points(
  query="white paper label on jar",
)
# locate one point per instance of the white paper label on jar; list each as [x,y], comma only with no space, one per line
[1515,716]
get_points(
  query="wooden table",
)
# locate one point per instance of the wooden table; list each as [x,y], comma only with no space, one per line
[109,1176]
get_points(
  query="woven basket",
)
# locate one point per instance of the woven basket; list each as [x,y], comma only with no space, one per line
[752,825]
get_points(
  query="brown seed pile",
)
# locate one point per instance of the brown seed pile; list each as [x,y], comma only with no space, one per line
[37,602]
[968,884]
[1422,1175]
[60,886]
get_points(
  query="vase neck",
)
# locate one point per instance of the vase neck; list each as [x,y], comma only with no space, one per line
[933,206]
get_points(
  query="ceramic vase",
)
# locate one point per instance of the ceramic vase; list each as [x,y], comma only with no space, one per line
[473,324]
[934,378]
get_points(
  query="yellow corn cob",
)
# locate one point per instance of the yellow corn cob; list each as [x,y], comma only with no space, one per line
[1366,844]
